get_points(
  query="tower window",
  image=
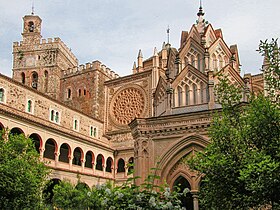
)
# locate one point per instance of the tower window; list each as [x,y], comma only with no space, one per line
[34,80]
[80,92]
[54,116]
[85,92]
[69,93]
[31,26]
[29,106]
[76,125]
[46,80]
[93,131]
[57,117]
[22,78]
[2,94]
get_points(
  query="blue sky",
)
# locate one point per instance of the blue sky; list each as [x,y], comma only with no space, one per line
[113,31]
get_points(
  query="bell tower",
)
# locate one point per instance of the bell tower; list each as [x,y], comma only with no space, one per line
[31,29]
[39,63]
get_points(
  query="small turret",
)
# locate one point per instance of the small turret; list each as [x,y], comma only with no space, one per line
[134,69]
[140,61]
[155,58]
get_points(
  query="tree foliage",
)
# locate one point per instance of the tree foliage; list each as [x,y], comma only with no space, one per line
[22,175]
[242,162]
[127,196]
[271,53]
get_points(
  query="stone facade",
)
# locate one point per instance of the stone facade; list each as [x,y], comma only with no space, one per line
[85,119]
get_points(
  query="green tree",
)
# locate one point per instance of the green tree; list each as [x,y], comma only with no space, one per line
[22,175]
[242,162]
[271,70]
[127,196]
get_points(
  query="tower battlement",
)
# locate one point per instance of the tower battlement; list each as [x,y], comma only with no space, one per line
[95,65]
[47,44]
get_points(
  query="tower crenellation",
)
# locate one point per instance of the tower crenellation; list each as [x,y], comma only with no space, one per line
[95,65]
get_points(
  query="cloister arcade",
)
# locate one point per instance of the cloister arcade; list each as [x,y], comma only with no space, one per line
[74,157]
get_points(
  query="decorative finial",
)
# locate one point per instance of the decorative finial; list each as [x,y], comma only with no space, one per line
[140,55]
[168,34]
[32,11]
[200,12]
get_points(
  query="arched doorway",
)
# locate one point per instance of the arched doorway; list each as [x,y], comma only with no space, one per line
[180,184]
[77,156]
[89,159]
[50,149]
[121,166]
[36,140]
[130,165]
[48,191]
[1,127]
[99,162]
[82,186]
[16,131]
[65,153]
[109,164]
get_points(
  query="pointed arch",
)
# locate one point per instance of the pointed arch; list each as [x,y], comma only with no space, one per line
[180,149]
[179,91]
[187,95]
[195,94]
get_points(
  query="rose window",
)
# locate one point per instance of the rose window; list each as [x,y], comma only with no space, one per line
[127,105]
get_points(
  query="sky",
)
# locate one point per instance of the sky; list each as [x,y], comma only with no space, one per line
[113,31]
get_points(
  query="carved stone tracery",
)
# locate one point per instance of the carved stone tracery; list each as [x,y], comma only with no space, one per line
[128,104]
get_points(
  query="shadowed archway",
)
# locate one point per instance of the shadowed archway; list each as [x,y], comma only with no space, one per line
[180,184]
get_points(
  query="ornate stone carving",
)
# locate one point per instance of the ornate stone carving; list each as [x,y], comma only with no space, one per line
[49,57]
[128,104]
[121,137]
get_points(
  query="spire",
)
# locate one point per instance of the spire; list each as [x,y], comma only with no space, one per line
[163,45]
[155,52]
[32,9]
[140,55]
[200,11]
[168,34]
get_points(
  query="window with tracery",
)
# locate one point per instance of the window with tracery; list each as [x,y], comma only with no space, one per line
[54,116]
[187,94]
[128,104]
[179,90]
[194,94]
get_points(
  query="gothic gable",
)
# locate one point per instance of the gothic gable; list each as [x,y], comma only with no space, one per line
[220,55]
[190,87]
[194,34]
[210,35]
[233,76]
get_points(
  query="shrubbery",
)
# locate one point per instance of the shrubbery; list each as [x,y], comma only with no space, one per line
[109,197]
